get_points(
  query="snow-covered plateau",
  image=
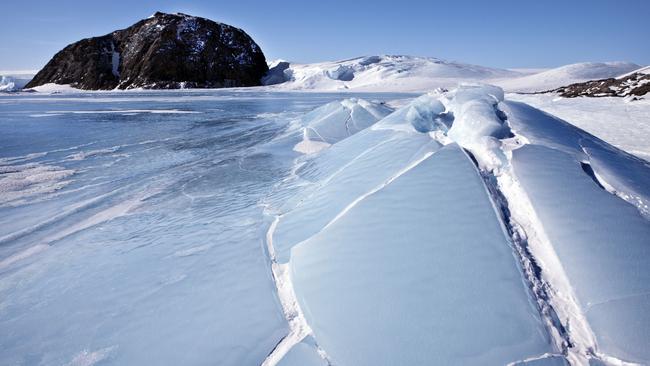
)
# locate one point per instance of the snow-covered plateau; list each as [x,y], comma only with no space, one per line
[317,221]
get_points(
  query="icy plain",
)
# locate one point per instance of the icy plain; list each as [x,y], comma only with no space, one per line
[265,228]
[131,230]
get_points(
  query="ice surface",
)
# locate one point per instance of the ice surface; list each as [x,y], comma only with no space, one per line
[333,231]
[623,174]
[547,360]
[423,114]
[334,190]
[133,225]
[22,181]
[337,120]
[592,201]
[150,253]
[602,243]
[304,353]
[418,272]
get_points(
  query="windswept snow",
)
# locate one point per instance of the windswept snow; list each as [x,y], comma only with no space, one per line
[20,182]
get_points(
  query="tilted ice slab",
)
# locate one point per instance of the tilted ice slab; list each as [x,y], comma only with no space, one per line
[418,272]
[588,212]
[338,120]
[334,190]
[591,200]
[352,167]
[394,244]
[619,172]
[602,244]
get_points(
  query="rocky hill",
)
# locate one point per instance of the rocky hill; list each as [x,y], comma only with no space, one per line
[165,51]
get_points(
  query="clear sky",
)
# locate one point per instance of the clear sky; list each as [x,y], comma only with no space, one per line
[523,33]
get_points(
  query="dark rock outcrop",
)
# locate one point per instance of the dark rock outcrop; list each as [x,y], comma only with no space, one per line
[632,85]
[165,51]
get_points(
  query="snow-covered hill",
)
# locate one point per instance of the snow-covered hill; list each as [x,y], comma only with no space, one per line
[379,73]
[565,75]
[411,73]
[633,85]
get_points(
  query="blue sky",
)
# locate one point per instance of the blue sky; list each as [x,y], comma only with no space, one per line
[492,33]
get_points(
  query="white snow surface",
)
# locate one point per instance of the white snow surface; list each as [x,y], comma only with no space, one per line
[53,88]
[643,70]
[381,73]
[565,75]
[624,124]
[421,74]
